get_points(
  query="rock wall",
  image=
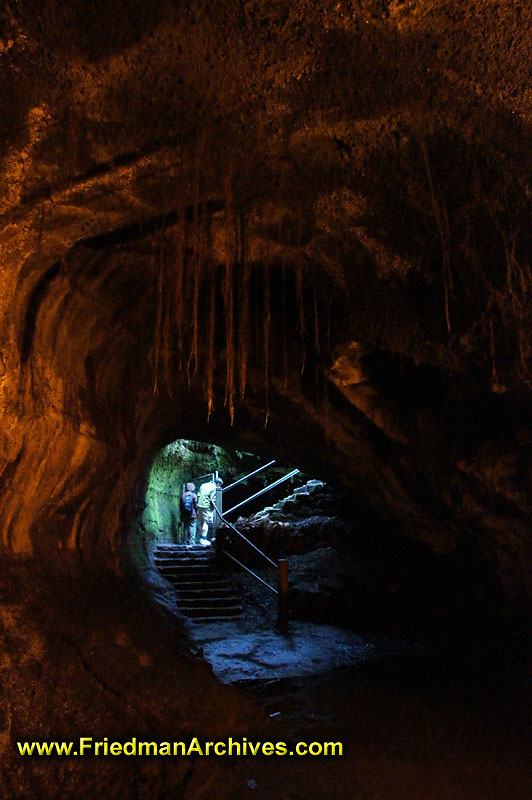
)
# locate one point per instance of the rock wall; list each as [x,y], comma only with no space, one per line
[366,162]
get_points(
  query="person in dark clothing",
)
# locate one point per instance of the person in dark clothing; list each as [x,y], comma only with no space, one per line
[189,515]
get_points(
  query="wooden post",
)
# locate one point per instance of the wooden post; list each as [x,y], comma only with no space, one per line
[282,612]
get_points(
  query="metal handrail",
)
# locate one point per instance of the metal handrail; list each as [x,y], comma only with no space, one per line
[250,475]
[262,491]
[240,564]
[230,525]
[282,574]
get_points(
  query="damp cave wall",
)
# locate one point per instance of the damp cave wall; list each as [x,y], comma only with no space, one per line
[373,158]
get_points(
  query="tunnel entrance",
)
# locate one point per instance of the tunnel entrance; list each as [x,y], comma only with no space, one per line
[244,476]
[225,590]
[357,588]
[347,590]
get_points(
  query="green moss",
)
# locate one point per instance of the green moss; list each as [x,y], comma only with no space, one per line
[177,463]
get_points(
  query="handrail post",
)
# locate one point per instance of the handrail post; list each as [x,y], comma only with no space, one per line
[282,610]
[219,544]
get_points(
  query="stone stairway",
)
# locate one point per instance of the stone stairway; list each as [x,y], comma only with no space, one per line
[202,593]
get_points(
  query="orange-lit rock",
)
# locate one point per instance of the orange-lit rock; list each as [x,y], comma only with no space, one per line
[369,162]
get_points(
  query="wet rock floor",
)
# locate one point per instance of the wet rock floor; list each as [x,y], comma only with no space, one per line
[417,722]
[307,649]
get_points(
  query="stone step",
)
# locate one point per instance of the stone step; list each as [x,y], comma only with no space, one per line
[206,591]
[198,580]
[194,577]
[204,552]
[181,568]
[198,558]
[182,549]
[217,584]
[183,562]
[174,546]
[210,603]
[228,618]
[210,613]
[202,593]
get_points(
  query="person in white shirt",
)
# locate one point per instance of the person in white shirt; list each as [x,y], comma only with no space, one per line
[206,500]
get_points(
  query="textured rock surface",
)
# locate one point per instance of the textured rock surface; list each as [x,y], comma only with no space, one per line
[377,150]
[170,172]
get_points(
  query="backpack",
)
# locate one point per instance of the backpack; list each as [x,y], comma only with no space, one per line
[187,502]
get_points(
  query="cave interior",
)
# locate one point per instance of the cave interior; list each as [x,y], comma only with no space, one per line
[297,230]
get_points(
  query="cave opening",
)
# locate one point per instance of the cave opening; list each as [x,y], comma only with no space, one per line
[249,482]
[354,591]
[269,513]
